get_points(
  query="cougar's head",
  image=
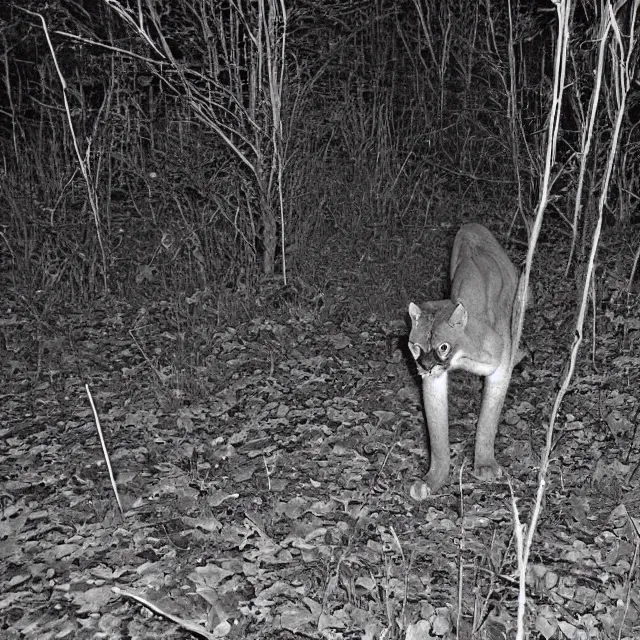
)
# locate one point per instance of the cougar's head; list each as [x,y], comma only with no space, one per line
[434,337]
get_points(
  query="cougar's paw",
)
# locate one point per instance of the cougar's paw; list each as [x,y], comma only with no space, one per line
[419,490]
[487,471]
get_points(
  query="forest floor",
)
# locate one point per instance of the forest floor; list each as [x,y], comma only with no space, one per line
[265,465]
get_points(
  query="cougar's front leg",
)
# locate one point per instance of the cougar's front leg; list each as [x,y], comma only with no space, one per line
[495,391]
[434,395]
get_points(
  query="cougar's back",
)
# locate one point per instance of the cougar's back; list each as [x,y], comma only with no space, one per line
[482,275]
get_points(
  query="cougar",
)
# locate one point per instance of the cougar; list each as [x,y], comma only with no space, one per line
[471,331]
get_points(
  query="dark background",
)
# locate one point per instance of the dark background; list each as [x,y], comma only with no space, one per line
[213,138]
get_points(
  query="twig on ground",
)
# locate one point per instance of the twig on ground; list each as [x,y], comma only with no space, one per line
[104,448]
[185,624]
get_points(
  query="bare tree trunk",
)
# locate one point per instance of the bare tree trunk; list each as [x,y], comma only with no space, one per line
[270,228]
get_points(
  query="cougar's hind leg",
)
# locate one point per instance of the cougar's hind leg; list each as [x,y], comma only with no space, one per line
[495,391]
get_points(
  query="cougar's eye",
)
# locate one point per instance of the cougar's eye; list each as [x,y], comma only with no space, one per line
[443,350]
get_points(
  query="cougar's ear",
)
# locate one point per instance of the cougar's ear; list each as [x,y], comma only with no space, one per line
[414,312]
[458,317]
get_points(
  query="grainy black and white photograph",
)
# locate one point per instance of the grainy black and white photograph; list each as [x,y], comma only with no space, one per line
[318,320]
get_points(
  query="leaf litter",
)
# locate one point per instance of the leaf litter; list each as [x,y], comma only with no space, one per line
[266,485]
